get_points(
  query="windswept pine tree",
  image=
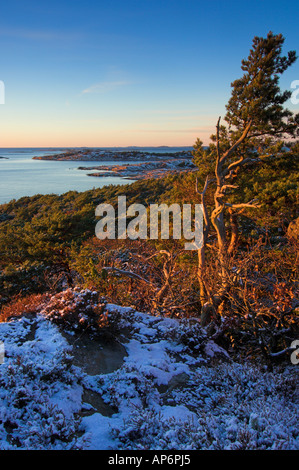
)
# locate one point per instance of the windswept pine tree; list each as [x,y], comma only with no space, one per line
[257,127]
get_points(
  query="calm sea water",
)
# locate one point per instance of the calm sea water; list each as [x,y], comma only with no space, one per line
[21,176]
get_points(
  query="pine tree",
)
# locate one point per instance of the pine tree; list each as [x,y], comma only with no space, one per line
[256,126]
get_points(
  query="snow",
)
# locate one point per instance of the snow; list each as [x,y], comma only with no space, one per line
[167,394]
[97,428]
[212,349]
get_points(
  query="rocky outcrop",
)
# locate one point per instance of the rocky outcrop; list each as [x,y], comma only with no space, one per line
[144,170]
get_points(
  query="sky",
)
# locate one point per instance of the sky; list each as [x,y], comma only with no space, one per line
[128,73]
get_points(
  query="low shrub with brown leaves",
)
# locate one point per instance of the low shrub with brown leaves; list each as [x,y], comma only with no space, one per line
[79,309]
[19,306]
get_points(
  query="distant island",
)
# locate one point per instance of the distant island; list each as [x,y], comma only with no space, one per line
[147,164]
[90,155]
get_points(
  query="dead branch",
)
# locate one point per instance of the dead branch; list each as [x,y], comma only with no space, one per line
[204,205]
[128,274]
[250,204]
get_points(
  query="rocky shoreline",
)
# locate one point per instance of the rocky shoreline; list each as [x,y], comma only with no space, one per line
[137,171]
[148,164]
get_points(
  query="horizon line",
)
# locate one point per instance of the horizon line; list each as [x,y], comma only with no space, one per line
[99,147]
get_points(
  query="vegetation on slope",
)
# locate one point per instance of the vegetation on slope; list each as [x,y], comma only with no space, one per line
[48,243]
[247,288]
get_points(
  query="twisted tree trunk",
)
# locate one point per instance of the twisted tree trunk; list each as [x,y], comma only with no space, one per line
[222,175]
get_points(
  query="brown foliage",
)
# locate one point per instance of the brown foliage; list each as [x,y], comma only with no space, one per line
[77,308]
[260,310]
[154,278]
[21,306]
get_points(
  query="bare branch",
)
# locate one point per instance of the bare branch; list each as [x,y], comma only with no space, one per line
[218,138]
[281,353]
[217,211]
[128,274]
[228,186]
[250,204]
[205,210]
[207,182]
[154,255]
[236,165]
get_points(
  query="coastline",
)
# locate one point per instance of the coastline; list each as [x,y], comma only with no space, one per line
[27,172]
[147,164]
[138,171]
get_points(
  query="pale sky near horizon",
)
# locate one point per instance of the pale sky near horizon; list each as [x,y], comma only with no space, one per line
[120,73]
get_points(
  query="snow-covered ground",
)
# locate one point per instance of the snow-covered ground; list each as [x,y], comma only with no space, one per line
[168,392]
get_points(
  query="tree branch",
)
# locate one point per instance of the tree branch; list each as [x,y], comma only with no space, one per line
[250,204]
[235,165]
[205,210]
[237,143]
[227,186]
[217,139]
[128,274]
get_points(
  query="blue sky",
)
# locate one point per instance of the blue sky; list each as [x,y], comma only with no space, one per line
[127,72]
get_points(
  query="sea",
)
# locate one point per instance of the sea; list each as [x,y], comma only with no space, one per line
[21,176]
